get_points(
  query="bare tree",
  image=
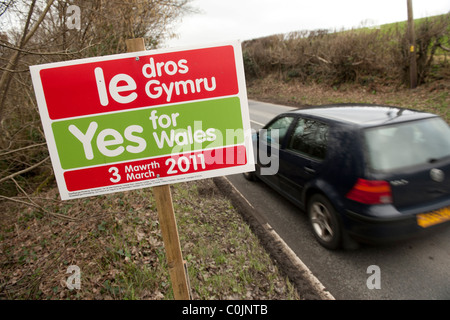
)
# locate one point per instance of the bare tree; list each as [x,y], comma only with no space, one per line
[43,33]
[27,33]
[4,5]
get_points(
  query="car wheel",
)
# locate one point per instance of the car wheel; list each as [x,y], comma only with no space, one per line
[250,176]
[324,222]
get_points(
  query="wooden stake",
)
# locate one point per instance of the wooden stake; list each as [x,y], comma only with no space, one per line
[134,45]
[167,221]
[171,242]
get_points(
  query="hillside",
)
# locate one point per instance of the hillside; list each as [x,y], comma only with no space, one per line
[365,56]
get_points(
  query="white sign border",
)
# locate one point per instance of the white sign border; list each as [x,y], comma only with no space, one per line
[51,143]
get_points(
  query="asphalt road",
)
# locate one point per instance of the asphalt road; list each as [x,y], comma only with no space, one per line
[414,269]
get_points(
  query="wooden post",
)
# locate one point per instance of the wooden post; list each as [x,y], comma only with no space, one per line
[167,221]
[412,47]
[169,232]
[134,45]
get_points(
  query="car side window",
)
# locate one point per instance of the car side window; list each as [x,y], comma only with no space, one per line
[276,131]
[310,138]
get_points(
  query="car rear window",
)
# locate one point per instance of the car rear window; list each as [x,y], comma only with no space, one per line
[407,144]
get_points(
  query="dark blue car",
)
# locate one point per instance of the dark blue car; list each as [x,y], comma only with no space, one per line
[361,172]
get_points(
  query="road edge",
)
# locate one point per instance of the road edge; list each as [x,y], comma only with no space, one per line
[307,285]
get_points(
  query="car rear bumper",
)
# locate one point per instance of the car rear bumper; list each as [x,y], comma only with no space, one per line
[390,229]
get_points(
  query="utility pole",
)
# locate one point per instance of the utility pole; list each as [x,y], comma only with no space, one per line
[412,47]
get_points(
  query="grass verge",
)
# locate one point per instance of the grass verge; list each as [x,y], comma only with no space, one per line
[432,97]
[115,241]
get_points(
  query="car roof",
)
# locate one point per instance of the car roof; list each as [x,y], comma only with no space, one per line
[366,115]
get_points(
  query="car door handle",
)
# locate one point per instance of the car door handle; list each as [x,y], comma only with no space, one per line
[309,170]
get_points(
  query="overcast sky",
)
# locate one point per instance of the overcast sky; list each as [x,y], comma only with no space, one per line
[221,20]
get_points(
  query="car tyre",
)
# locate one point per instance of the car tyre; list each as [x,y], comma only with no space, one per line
[250,176]
[324,222]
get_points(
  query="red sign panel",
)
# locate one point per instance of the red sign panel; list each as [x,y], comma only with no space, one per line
[156,168]
[158,79]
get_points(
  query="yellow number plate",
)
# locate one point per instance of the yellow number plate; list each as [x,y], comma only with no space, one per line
[428,219]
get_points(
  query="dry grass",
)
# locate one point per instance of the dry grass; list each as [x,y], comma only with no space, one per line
[433,97]
[115,241]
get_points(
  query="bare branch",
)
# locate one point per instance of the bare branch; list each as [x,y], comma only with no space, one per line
[4,5]
[24,148]
[24,170]
[319,58]
[12,47]
[444,48]
[37,23]
[34,204]
[14,71]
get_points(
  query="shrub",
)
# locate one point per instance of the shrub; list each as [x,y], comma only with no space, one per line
[347,56]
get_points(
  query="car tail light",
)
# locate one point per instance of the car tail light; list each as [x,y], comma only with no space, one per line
[371,192]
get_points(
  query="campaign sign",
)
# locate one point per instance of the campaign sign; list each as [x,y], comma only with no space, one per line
[145,118]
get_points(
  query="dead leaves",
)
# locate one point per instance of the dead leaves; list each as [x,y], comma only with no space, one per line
[115,240]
